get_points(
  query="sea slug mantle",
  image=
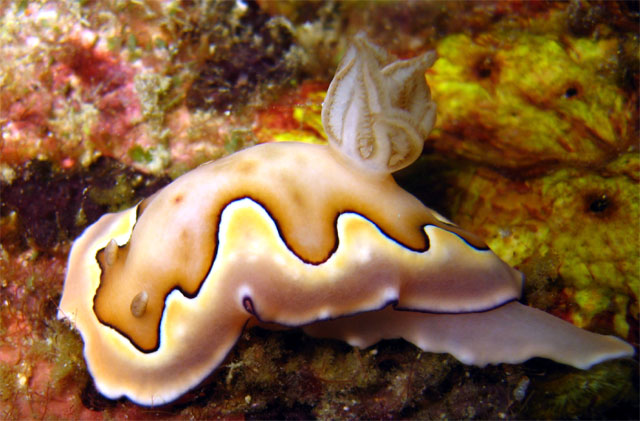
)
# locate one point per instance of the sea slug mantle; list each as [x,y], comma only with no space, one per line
[303,235]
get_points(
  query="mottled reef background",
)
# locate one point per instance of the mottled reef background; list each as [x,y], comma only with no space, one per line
[535,149]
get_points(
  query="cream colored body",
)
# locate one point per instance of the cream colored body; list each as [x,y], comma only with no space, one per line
[367,271]
[293,234]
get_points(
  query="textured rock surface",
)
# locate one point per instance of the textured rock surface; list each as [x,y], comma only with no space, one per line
[535,150]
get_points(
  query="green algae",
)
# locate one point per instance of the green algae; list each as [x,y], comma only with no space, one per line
[154,159]
[64,350]
[140,154]
[156,99]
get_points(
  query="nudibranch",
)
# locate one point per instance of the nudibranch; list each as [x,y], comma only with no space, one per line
[318,236]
